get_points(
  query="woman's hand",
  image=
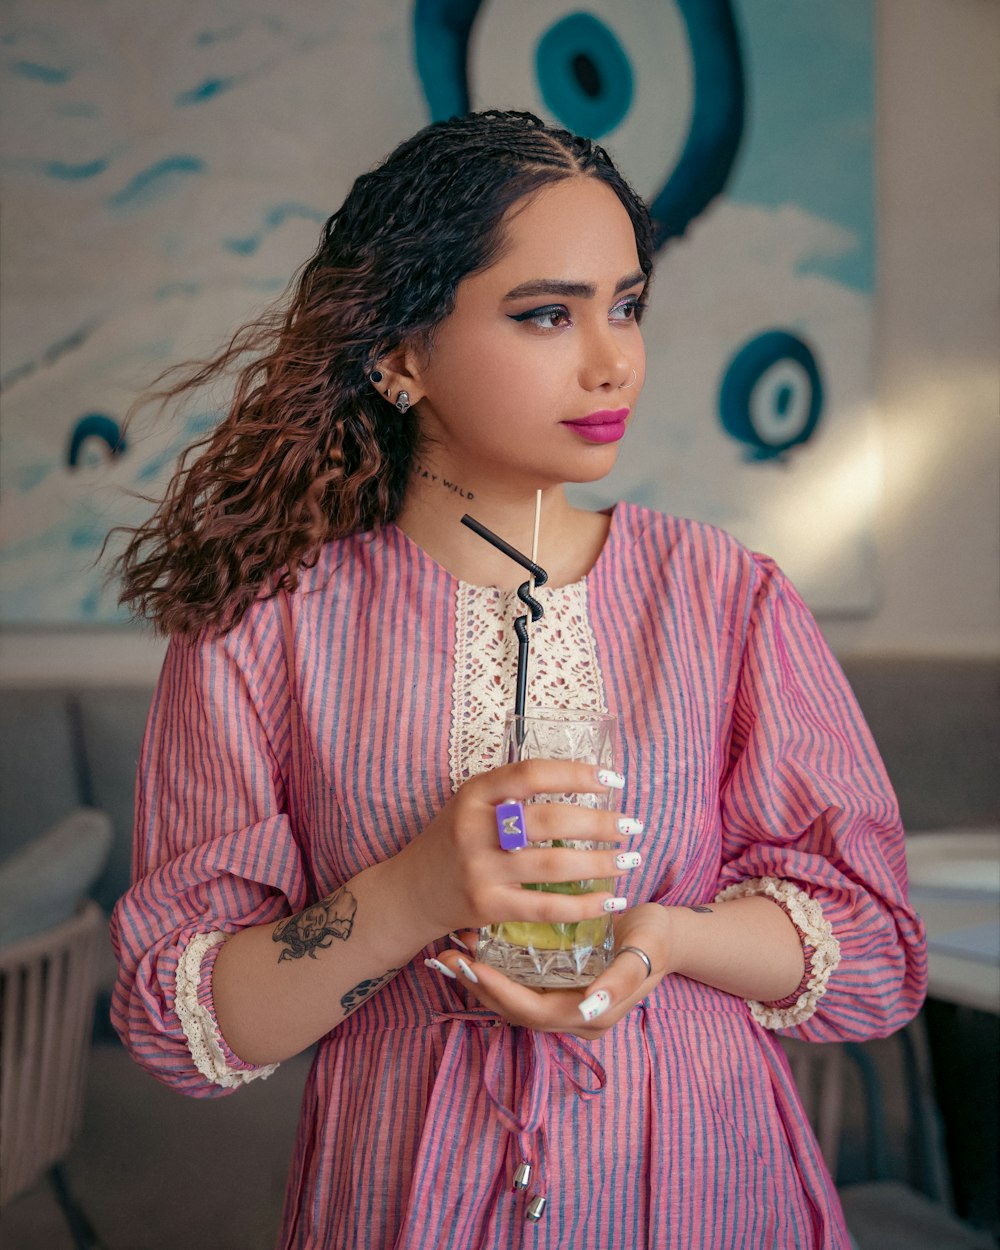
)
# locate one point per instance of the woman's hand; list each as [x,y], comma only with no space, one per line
[455,875]
[614,993]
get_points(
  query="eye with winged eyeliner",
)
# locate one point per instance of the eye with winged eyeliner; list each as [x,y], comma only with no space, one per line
[633,307]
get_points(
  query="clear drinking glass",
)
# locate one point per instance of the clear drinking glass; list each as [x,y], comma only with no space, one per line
[542,955]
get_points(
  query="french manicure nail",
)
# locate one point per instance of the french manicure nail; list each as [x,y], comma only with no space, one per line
[595,1005]
[630,827]
[467,972]
[628,859]
[458,941]
[438,966]
[615,904]
[607,777]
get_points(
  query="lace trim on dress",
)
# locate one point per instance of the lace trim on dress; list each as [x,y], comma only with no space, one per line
[563,670]
[199,1025]
[820,947]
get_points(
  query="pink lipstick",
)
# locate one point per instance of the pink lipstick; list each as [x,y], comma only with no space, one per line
[606,426]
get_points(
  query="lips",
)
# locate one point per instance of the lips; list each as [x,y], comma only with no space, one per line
[606,426]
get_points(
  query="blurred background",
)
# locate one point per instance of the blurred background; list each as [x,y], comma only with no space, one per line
[823,382]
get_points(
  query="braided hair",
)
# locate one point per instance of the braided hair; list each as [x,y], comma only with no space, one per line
[307,451]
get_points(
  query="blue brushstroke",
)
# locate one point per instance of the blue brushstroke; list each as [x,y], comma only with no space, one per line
[176,288]
[208,90]
[158,180]
[200,422]
[276,217]
[206,37]
[195,426]
[48,74]
[16,374]
[75,173]
[68,344]
[441,30]
[268,285]
[90,604]
[95,425]
[717,119]
[31,475]
[87,537]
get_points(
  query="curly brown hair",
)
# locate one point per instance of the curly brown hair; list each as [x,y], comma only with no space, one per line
[308,451]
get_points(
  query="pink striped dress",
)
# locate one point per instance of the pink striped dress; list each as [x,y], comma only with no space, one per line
[325,730]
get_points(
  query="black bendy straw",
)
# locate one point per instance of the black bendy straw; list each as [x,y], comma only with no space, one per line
[524,594]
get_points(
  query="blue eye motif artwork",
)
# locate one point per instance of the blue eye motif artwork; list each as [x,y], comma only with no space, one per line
[584,74]
[771,395]
[586,80]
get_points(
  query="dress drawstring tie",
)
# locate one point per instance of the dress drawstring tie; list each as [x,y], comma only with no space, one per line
[542,1057]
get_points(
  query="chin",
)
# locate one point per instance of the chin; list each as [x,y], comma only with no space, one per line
[593,467]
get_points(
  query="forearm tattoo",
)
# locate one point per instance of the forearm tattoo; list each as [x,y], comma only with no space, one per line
[354,998]
[315,928]
[703,910]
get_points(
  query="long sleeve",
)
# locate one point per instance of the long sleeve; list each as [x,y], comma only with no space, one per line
[214,849]
[809,816]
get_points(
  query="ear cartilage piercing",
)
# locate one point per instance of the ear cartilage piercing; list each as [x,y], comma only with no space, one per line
[402,402]
[376,376]
[624,386]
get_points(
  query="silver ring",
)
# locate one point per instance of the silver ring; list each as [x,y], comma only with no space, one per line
[642,955]
[625,386]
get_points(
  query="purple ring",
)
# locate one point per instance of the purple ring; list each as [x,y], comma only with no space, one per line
[510,825]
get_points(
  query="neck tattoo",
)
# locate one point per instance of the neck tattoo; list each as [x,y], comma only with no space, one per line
[455,489]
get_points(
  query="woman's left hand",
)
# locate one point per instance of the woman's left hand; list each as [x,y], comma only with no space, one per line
[615,992]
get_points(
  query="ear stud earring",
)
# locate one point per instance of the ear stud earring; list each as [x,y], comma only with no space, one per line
[376,376]
[402,402]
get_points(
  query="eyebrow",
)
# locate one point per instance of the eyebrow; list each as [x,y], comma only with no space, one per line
[573,290]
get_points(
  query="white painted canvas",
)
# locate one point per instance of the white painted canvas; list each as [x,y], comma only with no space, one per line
[166,169]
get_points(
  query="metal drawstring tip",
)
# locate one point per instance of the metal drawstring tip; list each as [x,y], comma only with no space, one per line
[522,1177]
[536,1209]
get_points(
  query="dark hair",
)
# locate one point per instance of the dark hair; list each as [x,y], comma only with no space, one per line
[308,451]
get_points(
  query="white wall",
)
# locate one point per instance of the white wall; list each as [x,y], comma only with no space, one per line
[936,363]
[938,313]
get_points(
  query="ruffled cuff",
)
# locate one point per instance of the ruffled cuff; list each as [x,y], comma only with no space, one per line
[820,949]
[196,1012]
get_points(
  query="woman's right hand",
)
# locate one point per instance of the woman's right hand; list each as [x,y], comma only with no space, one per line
[454,875]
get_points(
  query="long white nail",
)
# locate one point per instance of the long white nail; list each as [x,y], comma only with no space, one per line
[467,972]
[615,904]
[438,966]
[453,937]
[608,777]
[630,827]
[628,859]
[595,1005]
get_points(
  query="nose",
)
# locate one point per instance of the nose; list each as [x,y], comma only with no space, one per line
[607,360]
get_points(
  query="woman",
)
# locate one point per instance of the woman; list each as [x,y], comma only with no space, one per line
[316,810]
